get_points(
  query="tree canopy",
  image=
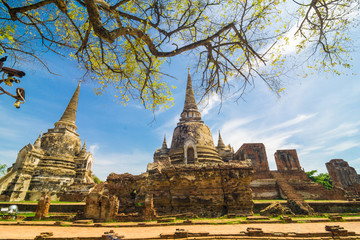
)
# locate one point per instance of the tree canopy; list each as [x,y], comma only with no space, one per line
[96,179]
[123,44]
[3,168]
[322,178]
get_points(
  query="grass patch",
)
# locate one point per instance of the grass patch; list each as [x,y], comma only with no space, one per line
[310,216]
[269,200]
[325,201]
[7,220]
[349,215]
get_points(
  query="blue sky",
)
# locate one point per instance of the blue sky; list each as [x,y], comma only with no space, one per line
[318,116]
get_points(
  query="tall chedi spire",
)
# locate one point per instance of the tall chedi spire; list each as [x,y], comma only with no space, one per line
[190,111]
[192,141]
[164,145]
[220,142]
[69,116]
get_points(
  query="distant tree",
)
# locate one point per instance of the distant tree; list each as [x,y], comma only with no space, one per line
[322,178]
[124,43]
[96,179]
[3,168]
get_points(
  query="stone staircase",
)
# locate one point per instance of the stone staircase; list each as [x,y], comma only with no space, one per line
[294,200]
[14,188]
[285,187]
[6,180]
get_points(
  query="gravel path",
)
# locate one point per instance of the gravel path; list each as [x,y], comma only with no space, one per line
[29,232]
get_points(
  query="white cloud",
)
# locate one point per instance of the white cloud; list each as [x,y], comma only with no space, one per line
[310,149]
[347,129]
[260,132]
[207,105]
[253,130]
[93,148]
[277,141]
[343,146]
[298,119]
[289,47]
[166,129]
[232,125]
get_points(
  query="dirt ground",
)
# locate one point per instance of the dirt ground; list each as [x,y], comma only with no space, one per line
[29,232]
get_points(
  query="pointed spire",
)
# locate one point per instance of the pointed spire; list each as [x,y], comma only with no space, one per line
[83,149]
[190,102]
[84,146]
[190,111]
[220,142]
[69,116]
[164,145]
[37,143]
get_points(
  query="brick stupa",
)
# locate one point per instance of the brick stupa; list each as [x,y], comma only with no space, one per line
[54,164]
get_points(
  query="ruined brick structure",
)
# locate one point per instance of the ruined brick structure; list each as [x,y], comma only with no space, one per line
[100,205]
[288,180]
[256,153]
[52,164]
[192,177]
[263,185]
[345,177]
[130,189]
[287,160]
[207,190]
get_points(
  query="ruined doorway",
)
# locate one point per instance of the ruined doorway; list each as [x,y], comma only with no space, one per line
[190,155]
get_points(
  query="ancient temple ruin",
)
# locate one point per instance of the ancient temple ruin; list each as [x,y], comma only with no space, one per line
[191,178]
[55,163]
[192,144]
[288,181]
[345,177]
[195,176]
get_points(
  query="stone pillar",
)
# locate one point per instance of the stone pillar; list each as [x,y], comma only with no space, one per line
[287,160]
[256,152]
[101,207]
[113,208]
[43,206]
[149,212]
